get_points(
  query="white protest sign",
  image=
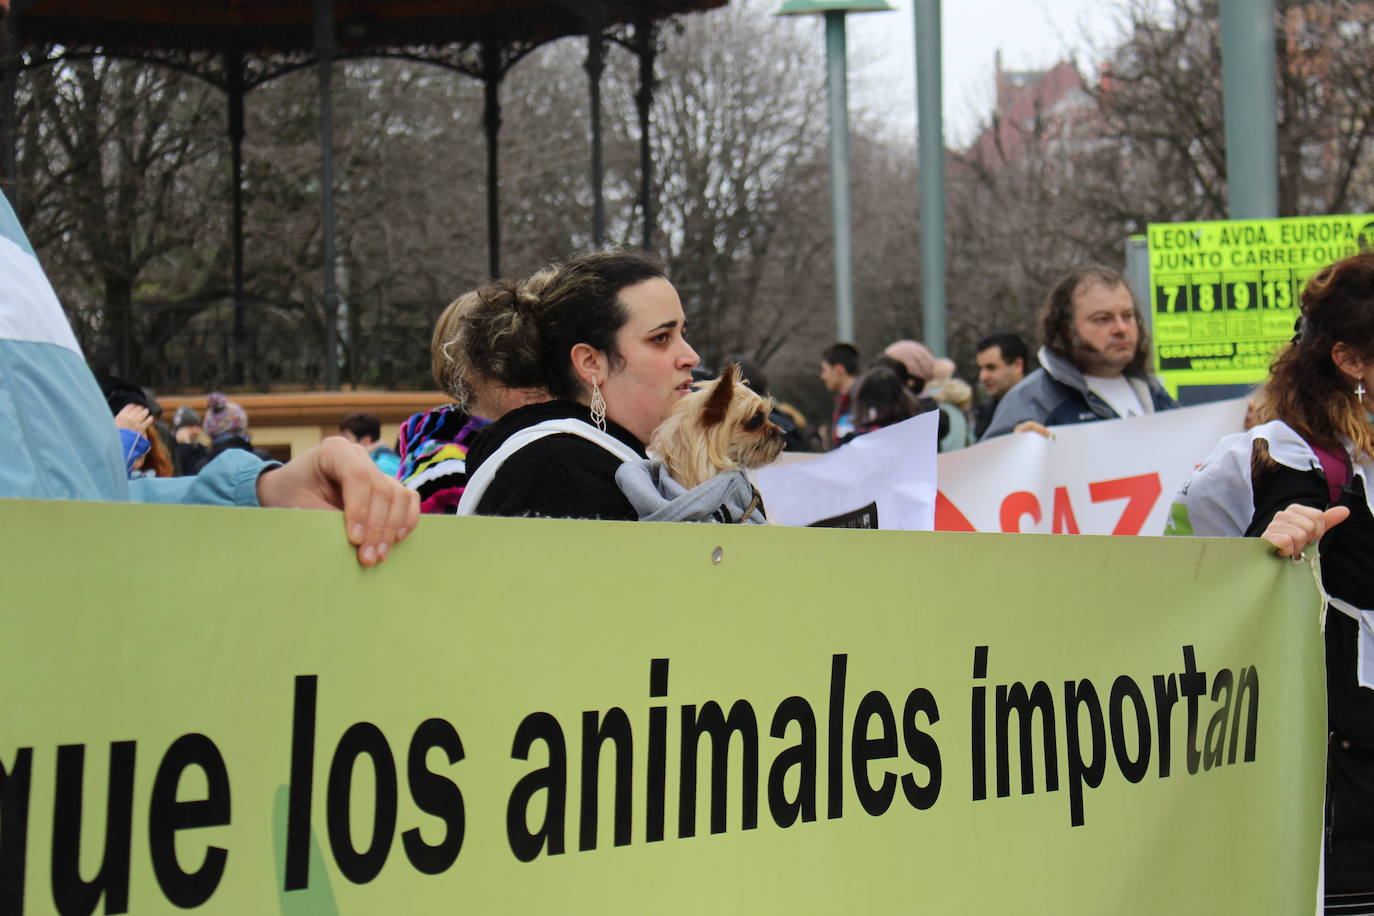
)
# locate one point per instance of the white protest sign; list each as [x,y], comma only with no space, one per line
[1108,477]
[890,472]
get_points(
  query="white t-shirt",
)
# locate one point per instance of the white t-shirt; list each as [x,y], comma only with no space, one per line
[1118,393]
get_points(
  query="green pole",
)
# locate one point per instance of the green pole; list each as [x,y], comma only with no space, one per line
[1251,110]
[931,165]
[837,84]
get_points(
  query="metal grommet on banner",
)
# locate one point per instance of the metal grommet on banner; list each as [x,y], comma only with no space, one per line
[716,556]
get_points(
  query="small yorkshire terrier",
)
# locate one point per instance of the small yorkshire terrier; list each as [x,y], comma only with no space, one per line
[721,427]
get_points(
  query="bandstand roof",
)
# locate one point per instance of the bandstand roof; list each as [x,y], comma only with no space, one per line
[285,26]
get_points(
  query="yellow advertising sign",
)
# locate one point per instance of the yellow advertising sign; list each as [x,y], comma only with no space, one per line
[517,716]
[1225,294]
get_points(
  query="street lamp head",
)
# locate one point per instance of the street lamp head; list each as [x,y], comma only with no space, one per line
[804,7]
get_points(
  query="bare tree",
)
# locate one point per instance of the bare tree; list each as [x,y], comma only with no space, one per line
[1161,105]
[119,162]
[739,148]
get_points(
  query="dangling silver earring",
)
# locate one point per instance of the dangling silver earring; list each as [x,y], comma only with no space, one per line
[1359,391]
[598,407]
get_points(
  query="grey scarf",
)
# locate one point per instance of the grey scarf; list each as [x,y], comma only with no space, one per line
[727,498]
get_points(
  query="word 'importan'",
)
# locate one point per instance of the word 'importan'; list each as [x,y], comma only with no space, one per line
[1134,734]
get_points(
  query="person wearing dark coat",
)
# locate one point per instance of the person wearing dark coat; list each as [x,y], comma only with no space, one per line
[1308,469]
[191,452]
[1094,364]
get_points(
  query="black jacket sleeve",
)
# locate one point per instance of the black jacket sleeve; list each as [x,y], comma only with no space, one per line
[1277,487]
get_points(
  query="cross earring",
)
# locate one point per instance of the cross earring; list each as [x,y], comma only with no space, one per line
[1359,390]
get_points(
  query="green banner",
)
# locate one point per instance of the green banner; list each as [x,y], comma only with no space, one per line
[1224,295]
[218,708]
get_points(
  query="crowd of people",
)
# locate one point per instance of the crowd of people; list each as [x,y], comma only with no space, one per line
[560,378]
[591,355]
[1094,365]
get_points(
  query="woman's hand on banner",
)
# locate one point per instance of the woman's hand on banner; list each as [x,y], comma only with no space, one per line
[1298,526]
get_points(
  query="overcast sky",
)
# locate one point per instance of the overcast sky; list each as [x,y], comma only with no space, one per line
[1031,34]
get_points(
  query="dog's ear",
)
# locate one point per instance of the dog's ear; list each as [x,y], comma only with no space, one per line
[718,401]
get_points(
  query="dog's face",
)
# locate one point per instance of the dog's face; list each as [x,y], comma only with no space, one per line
[721,427]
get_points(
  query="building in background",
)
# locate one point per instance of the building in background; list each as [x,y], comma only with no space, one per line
[1051,106]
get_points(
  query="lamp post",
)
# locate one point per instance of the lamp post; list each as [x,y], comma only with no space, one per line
[1250,107]
[837,84]
[930,159]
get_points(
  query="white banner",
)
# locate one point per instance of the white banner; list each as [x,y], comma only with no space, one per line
[882,479]
[1109,477]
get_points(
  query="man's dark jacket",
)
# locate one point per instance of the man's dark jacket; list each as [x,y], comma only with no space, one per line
[1057,394]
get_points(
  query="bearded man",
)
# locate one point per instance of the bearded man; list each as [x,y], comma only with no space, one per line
[1094,360]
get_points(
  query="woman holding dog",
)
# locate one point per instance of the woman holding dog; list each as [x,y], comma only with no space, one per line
[1308,469]
[601,340]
